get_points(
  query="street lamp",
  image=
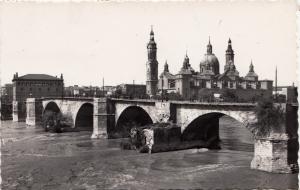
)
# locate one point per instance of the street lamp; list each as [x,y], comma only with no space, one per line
[162,88]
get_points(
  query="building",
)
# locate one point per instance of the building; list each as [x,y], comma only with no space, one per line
[89,91]
[6,101]
[34,86]
[110,90]
[192,84]
[37,86]
[131,90]
[7,94]
[286,93]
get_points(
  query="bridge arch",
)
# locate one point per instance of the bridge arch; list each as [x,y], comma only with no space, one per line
[51,106]
[247,118]
[83,117]
[131,116]
[205,128]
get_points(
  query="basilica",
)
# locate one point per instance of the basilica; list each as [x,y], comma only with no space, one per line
[189,83]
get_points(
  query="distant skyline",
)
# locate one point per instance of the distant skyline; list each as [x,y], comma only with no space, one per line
[89,41]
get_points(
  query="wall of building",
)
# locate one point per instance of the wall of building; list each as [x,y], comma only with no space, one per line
[23,89]
[241,94]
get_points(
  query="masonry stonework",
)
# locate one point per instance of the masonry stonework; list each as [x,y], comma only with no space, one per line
[34,110]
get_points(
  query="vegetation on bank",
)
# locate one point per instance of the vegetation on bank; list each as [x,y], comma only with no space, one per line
[56,122]
[270,117]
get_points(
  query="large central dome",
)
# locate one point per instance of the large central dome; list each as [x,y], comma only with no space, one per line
[210,63]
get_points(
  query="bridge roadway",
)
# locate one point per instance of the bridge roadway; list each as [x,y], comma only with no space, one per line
[108,114]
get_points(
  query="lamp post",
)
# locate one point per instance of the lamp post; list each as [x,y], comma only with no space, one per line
[162,88]
[133,90]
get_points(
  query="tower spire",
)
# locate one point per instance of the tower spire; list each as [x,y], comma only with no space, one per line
[209,46]
[229,53]
[151,32]
[251,67]
[166,67]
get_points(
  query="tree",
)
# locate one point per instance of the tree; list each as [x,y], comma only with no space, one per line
[270,117]
[229,96]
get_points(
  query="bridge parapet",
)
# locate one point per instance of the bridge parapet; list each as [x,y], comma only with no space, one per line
[68,98]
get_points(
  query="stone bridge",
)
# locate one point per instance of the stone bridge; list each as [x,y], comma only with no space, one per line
[79,111]
[275,153]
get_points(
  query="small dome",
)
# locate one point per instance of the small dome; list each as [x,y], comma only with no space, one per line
[251,74]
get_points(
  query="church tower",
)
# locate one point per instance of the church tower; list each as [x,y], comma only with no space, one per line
[152,66]
[229,55]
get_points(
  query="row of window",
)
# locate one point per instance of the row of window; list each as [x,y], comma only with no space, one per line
[39,89]
[39,83]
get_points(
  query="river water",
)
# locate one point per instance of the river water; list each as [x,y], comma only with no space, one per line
[34,159]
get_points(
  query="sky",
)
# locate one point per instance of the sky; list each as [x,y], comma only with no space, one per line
[89,41]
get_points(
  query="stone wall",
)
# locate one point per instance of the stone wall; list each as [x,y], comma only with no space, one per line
[271,154]
[34,110]
[104,117]
[243,95]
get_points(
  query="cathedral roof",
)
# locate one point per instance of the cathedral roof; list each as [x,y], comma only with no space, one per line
[167,75]
[185,72]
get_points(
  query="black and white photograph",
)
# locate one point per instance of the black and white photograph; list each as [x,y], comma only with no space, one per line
[149,94]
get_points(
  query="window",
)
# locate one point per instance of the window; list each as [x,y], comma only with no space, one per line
[48,89]
[30,89]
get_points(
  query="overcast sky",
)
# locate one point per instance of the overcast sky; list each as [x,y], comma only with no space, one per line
[89,41]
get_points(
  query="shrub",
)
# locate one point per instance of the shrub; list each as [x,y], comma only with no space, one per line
[53,121]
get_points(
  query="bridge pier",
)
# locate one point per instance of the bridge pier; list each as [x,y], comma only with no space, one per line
[19,111]
[103,117]
[271,154]
[34,111]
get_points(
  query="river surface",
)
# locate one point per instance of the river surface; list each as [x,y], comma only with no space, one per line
[34,159]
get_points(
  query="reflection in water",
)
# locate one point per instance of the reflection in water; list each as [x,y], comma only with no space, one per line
[234,136]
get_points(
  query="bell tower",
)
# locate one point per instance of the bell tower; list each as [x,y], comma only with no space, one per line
[229,55]
[152,66]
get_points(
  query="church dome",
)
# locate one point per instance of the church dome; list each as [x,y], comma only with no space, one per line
[211,62]
[209,59]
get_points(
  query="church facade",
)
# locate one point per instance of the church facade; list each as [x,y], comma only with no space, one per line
[191,84]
